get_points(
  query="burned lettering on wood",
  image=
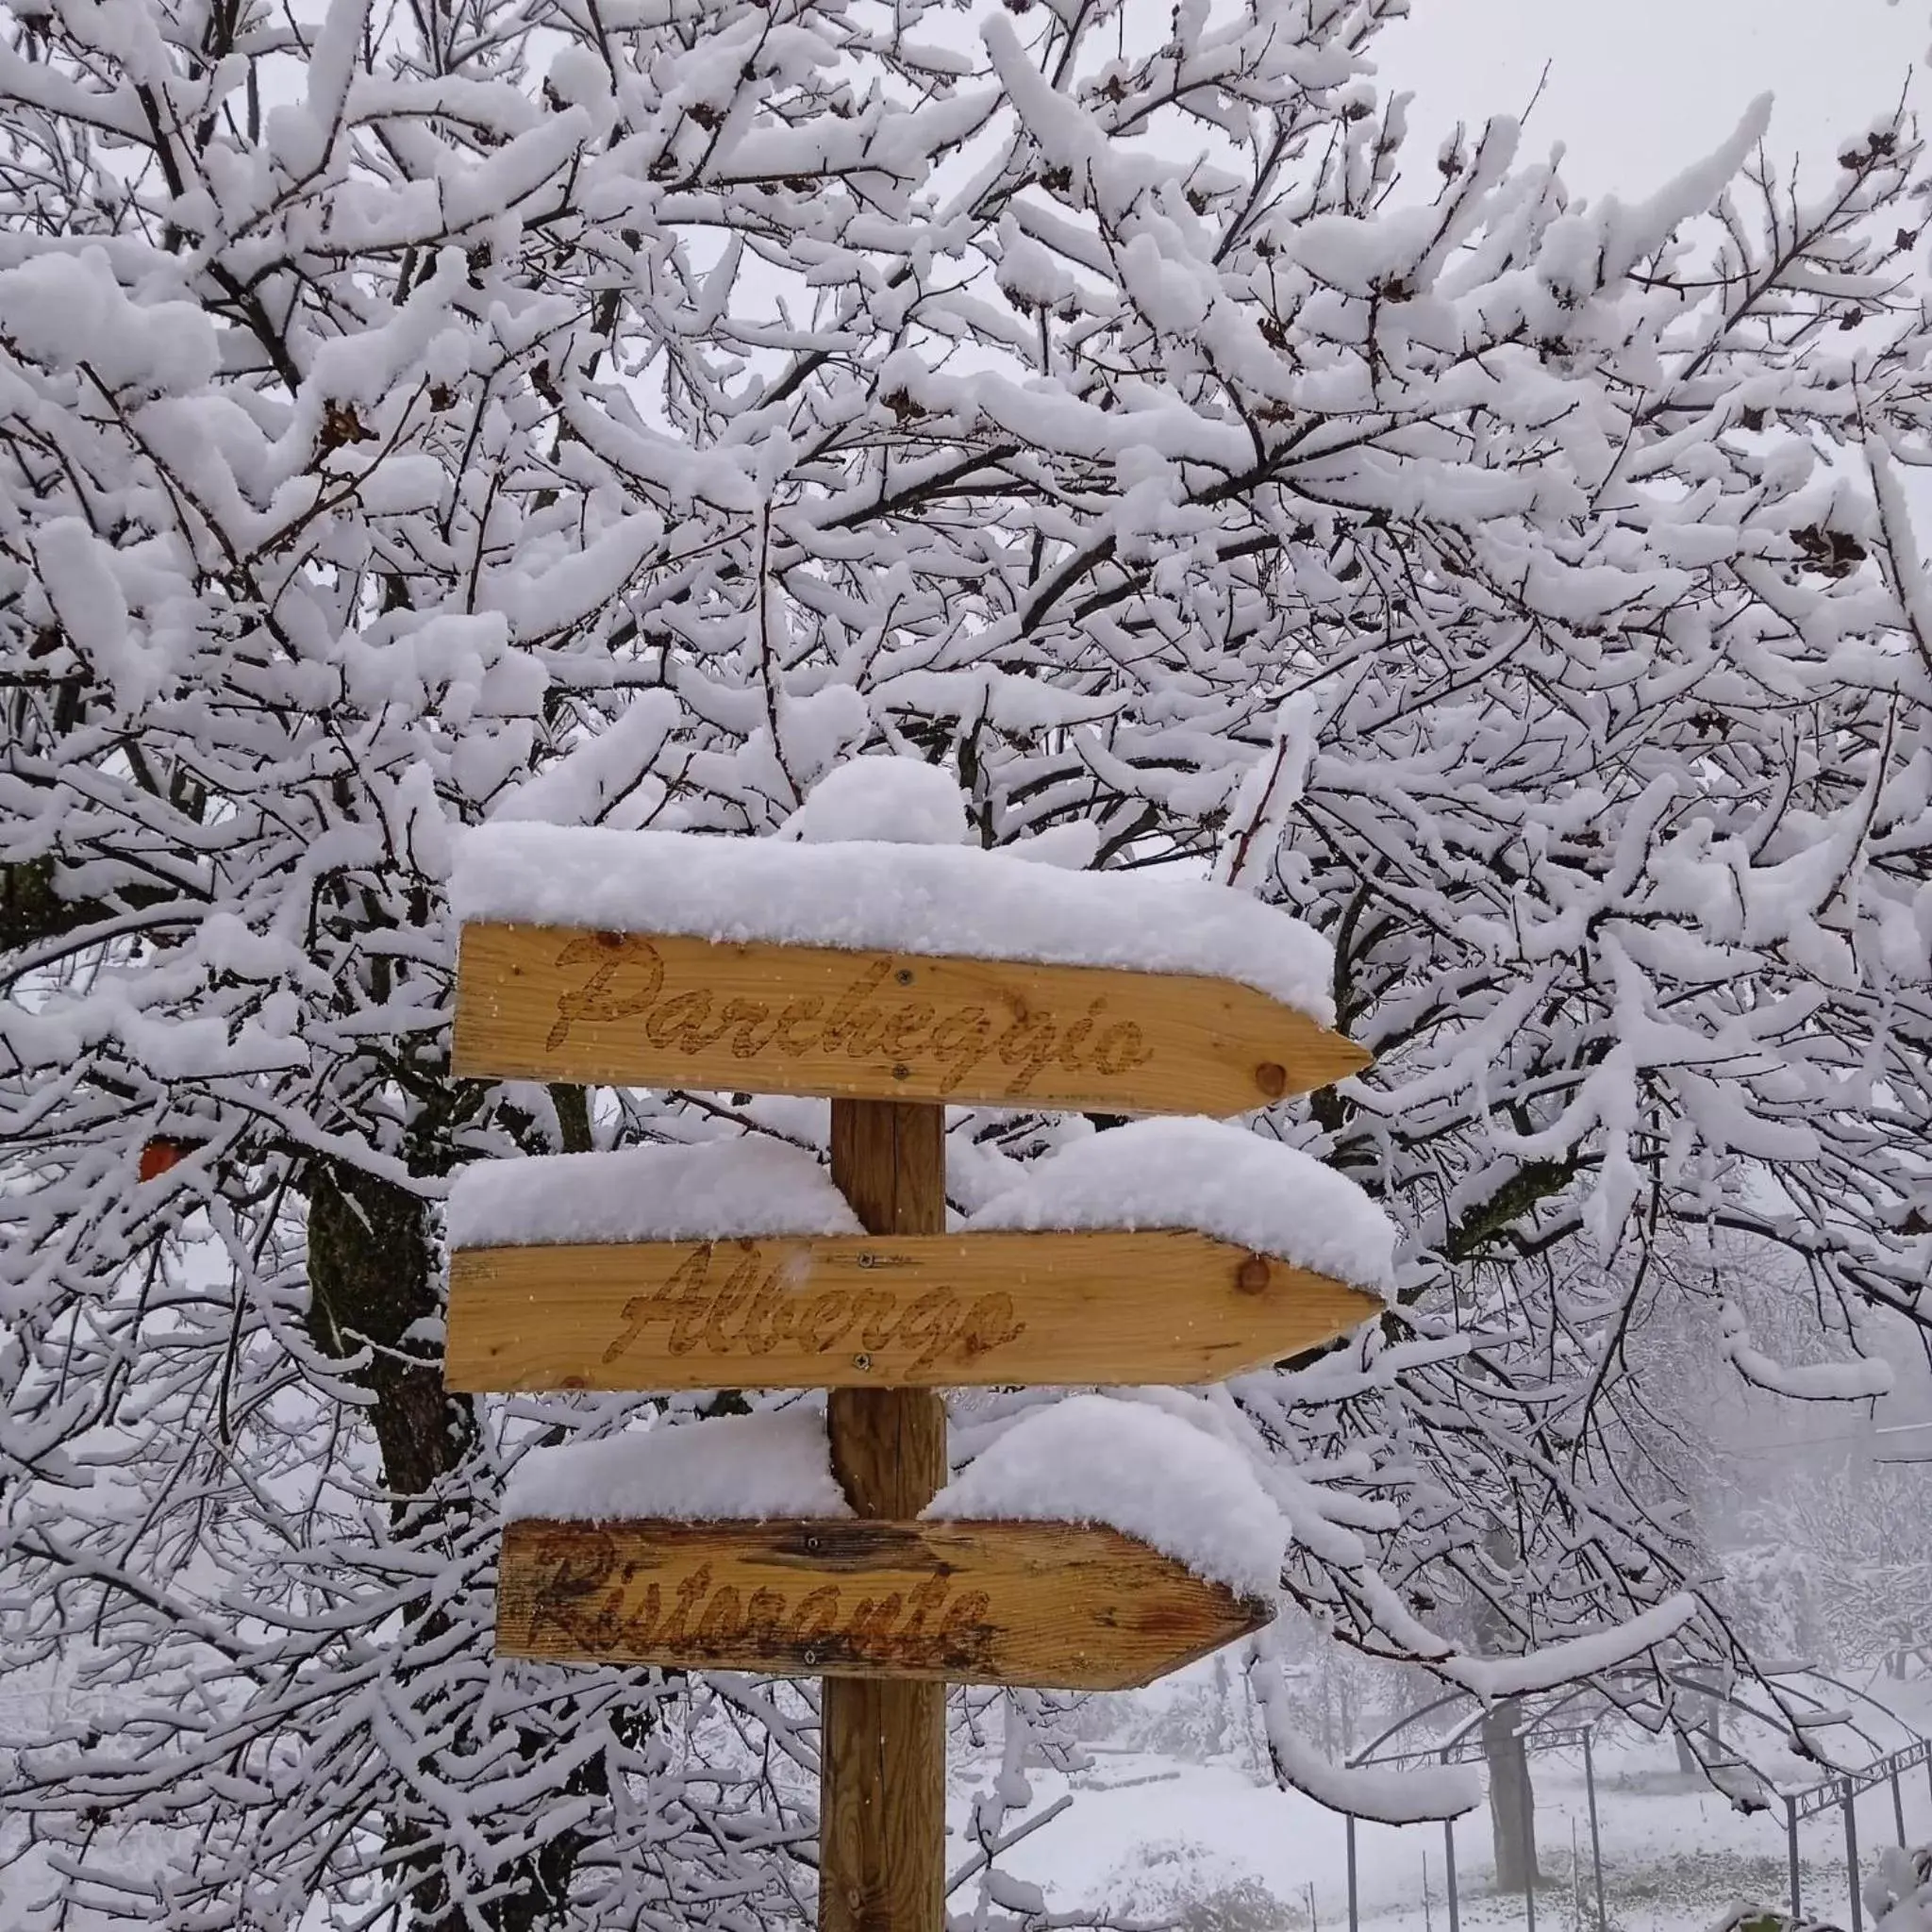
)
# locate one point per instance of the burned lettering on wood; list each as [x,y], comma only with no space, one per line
[859,1311]
[742,1306]
[1041,1604]
[589,1597]
[556,1004]
[871,1016]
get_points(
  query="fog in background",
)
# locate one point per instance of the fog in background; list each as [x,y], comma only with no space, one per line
[1637,89]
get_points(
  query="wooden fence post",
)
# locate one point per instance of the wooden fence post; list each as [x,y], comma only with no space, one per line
[883,1747]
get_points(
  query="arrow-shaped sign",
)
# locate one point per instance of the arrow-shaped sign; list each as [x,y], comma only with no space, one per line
[1042,1604]
[868,1311]
[544,1002]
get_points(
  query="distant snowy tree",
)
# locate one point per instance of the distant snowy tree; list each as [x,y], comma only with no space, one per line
[1824,1545]
[621,412]
[1850,1540]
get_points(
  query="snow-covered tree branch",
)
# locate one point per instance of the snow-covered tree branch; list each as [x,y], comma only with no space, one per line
[622,411]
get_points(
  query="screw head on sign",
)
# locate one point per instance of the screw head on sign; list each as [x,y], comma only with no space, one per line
[811,1542]
[861,1362]
[902,1073]
[903,976]
[809,1655]
[1271,1078]
[868,1261]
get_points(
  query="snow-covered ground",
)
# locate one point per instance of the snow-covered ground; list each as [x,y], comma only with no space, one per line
[1216,1847]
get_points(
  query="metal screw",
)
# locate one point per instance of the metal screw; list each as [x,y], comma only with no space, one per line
[903,976]
[810,1655]
[811,1542]
[868,1261]
[902,1073]
[861,1362]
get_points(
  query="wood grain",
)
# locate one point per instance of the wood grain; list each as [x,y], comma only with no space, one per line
[920,1311]
[882,1765]
[1045,1605]
[541,1003]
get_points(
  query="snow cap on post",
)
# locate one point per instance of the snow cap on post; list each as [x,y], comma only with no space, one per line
[733,1189]
[772,1463]
[891,800]
[1239,1186]
[1135,1468]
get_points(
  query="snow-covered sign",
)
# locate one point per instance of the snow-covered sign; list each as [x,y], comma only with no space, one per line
[1094,1545]
[880,971]
[881,961]
[1167,1251]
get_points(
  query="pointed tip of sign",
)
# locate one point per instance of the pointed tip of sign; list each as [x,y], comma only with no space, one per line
[1359,1059]
[1318,1059]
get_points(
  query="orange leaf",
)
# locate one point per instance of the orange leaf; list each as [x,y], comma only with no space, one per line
[158,1156]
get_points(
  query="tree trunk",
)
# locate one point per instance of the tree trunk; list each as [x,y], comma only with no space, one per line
[1513,1801]
[372,1275]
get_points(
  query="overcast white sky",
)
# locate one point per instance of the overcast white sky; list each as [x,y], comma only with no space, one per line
[1637,88]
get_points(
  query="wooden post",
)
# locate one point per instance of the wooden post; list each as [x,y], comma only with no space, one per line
[882,1784]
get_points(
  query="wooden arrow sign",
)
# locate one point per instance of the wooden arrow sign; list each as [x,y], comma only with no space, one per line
[1040,1605]
[541,1003]
[865,1311]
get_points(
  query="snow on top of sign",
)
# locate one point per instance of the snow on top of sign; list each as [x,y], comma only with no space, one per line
[873,893]
[1095,1458]
[898,801]
[715,1190]
[729,1468]
[1223,1179]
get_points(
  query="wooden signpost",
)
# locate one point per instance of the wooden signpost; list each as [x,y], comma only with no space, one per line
[884,1606]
